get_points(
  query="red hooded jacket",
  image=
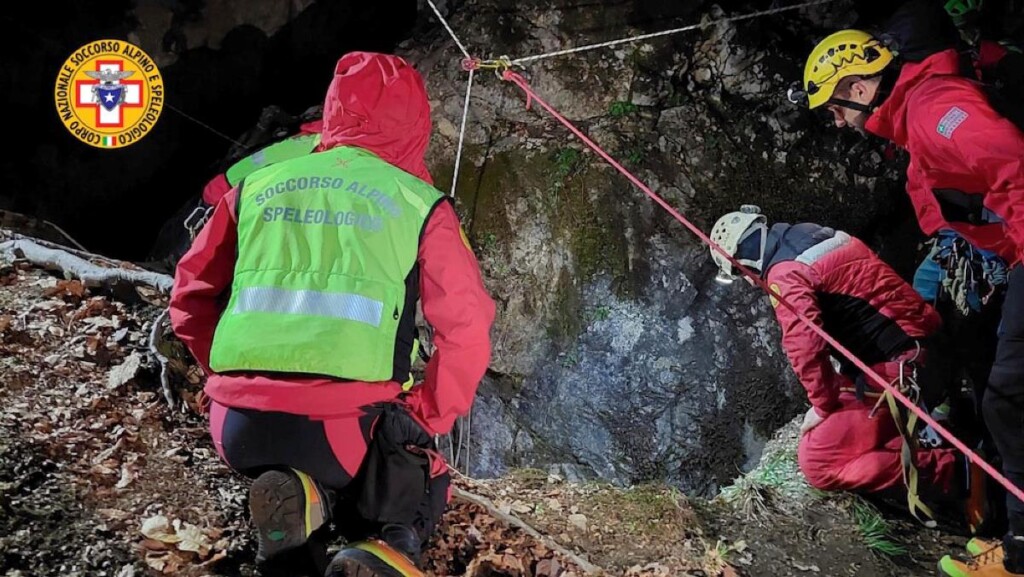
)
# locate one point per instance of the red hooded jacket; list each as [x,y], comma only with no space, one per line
[838,283]
[965,159]
[378,103]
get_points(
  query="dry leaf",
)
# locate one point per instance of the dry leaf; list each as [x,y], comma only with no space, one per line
[548,568]
[579,521]
[125,372]
[154,545]
[159,528]
[192,538]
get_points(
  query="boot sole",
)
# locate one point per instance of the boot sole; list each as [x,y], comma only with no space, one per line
[277,504]
[947,569]
[352,568]
[357,562]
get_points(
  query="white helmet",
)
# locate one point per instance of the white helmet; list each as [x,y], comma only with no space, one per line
[731,230]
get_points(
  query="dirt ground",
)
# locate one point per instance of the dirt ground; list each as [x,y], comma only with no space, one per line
[99,478]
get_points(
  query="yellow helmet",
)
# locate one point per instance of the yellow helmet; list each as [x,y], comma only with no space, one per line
[845,53]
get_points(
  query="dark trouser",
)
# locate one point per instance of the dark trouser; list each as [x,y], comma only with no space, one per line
[381,465]
[1004,401]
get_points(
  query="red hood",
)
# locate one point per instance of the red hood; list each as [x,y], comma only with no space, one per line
[890,120]
[378,102]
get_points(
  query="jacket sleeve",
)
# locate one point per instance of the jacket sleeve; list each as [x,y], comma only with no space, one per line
[457,306]
[203,279]
[808,353]
[977,141]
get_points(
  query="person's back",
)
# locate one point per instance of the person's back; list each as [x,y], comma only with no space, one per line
[299,299]
[864,304]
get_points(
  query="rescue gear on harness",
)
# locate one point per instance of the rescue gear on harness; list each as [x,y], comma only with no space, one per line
[906,423]
[286,507]
[840,55]
[197,220]
[928,437]
[970,276]
[730,231]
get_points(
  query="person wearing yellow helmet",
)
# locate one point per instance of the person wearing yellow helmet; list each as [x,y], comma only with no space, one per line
[965,174]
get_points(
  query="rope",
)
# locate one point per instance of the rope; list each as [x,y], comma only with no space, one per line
[449,29]
[207,126]
[768,12]
[462,132]
[868,371]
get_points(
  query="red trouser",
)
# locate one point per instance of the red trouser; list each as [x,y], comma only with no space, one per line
[852,452]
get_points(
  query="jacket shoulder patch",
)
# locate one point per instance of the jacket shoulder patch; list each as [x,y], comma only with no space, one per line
[949,122]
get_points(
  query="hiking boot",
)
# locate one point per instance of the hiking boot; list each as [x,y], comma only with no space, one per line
[986,561]
[286,507]
[402,539]
[978,546]
[988,564]
[372,558]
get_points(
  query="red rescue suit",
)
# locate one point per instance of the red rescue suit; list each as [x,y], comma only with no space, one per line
[453,298]
[841,285]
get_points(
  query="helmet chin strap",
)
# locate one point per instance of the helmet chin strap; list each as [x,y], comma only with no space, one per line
[889,76]
[850,104]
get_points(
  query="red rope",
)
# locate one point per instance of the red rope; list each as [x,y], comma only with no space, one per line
[924,416]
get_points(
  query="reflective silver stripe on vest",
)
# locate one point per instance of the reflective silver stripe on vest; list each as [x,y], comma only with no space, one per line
[305,302]
[816,252]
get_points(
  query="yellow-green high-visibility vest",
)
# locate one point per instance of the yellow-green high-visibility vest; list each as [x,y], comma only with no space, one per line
[326,280]
[287,149]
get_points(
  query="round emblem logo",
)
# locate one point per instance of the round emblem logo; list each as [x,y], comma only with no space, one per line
[109,93]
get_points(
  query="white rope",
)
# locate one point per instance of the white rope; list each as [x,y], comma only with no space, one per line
[450,31]
[462,133]
[206,126]
[666,32]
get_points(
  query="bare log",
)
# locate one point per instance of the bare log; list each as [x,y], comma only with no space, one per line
[93,270]
[155,335]
[518,523]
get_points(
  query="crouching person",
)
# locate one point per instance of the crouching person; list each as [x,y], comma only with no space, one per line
[299,299]
[849,439]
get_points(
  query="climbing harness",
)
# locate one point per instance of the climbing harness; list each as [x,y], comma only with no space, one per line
[906,424]
[896,395]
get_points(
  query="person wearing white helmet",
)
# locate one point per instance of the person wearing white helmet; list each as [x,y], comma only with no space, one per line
[838,283]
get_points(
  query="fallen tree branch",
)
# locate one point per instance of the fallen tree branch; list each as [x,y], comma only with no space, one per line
[80,264]
[588,567]
[155,334]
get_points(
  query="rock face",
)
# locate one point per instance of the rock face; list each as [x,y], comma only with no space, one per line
[615,354]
